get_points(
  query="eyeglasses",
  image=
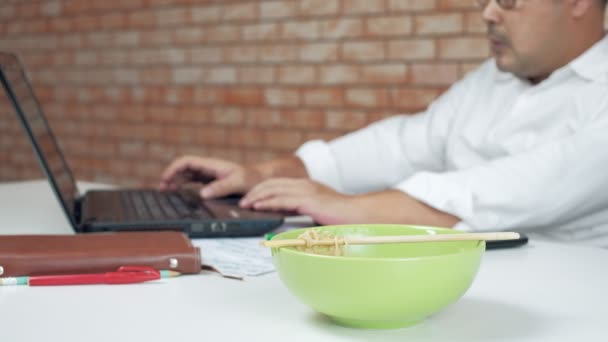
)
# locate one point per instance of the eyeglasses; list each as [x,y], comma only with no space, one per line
[504,4]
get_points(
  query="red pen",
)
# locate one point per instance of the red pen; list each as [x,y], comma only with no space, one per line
[124,275]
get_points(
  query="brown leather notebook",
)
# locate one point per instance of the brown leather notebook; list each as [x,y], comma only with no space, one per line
[25,255]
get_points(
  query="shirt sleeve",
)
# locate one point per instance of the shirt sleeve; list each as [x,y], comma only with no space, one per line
[555,183]
[383,154]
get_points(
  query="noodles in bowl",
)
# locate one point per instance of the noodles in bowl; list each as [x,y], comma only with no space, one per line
[314,234]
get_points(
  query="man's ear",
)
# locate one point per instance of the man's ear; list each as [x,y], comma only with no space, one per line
[579,8]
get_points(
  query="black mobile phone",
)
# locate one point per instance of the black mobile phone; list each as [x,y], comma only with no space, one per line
[523,239]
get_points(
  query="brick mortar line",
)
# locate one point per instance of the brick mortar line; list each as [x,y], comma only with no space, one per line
[248,43]
[333,63]
[340,13]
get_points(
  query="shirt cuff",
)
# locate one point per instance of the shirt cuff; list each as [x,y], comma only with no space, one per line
[446,195]
[320,163]
[462,226]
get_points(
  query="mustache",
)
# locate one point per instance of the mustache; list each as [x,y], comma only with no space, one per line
[493,34]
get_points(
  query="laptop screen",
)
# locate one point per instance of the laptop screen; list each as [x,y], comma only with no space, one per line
[49,154]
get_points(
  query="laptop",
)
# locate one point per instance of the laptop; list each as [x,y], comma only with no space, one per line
[124,209]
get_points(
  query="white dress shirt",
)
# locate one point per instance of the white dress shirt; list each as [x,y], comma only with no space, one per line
[495,151]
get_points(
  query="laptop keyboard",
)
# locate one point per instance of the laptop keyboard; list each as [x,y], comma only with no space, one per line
[156,205]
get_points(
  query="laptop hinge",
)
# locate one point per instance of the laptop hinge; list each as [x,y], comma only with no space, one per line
[78,210]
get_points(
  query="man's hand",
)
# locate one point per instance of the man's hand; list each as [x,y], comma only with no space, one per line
[327,206]
[222,178]
[299,195]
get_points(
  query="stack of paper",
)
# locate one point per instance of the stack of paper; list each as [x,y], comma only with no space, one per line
[236,257]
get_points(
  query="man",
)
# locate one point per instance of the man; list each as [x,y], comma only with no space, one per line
[517,144]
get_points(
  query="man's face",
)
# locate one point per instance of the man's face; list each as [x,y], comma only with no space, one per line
[525,40]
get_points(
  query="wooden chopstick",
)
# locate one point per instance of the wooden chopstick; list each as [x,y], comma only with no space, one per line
[372,240]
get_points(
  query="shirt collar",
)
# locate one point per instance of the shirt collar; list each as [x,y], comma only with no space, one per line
[502,76]
[593,63]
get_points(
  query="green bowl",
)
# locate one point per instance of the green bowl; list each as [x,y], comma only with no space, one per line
[380,286]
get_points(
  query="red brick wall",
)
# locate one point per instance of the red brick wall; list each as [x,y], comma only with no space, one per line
[128,85]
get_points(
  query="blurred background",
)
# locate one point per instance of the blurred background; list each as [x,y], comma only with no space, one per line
[129,85]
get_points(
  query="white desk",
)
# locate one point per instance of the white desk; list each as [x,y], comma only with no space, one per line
[541,292]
